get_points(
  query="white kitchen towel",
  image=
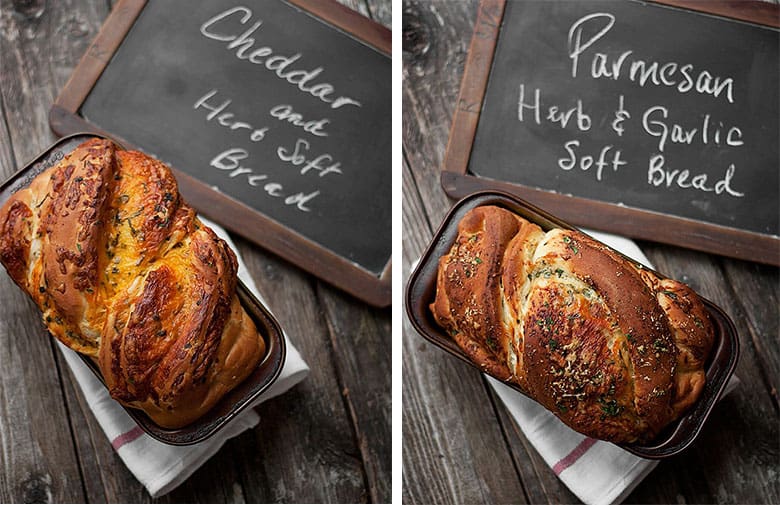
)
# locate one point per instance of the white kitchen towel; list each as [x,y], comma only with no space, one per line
[160,467]
[598,472]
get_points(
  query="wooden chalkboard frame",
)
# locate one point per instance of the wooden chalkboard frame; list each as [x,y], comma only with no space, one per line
[65,119]
[633,222]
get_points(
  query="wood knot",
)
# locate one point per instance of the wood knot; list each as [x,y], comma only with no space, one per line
[416,34]
[29,10]
[36,489]
[76,27]
[272,272]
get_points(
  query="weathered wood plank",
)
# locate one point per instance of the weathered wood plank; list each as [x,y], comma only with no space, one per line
[436,36]
[305,448]
[42,41]
[40,463]
[454,450]
[109,480]
[756,288]
[7,160]
[38,458]
[361,341]
[381,11]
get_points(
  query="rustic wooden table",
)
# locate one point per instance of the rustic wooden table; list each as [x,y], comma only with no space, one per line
[460,444]
[326,440]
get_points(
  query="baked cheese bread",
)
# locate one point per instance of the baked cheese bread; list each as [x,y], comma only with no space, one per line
[614,350]
[125,273]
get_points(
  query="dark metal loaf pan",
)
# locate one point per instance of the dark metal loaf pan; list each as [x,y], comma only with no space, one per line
[235,401]
[421,290]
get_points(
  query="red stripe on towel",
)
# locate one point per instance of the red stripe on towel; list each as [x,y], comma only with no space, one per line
[574,455]
[126,437]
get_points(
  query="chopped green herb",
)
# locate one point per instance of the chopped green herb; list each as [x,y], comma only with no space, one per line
[559,271]
[630,337]
[477,260]
[659,345]
[553,344]
[566,239]
[563,408]
[670,294]
[610,408]
[78,246]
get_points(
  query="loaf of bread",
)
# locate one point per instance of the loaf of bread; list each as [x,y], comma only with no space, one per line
[125,273]
[616,352]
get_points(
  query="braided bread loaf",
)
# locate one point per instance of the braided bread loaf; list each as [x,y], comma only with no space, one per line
[125,273]
[616,352]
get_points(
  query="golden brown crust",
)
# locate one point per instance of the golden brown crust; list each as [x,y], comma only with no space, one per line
[124,272]
[612,350]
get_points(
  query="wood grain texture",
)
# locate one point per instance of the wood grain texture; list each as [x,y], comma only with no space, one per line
[736,458]
[327,440]
[435,36]
[313,413]
[40,461]
[445,456]
[363,358]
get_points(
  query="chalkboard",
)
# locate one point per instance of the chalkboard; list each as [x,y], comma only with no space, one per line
[638,106]
[272,107]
